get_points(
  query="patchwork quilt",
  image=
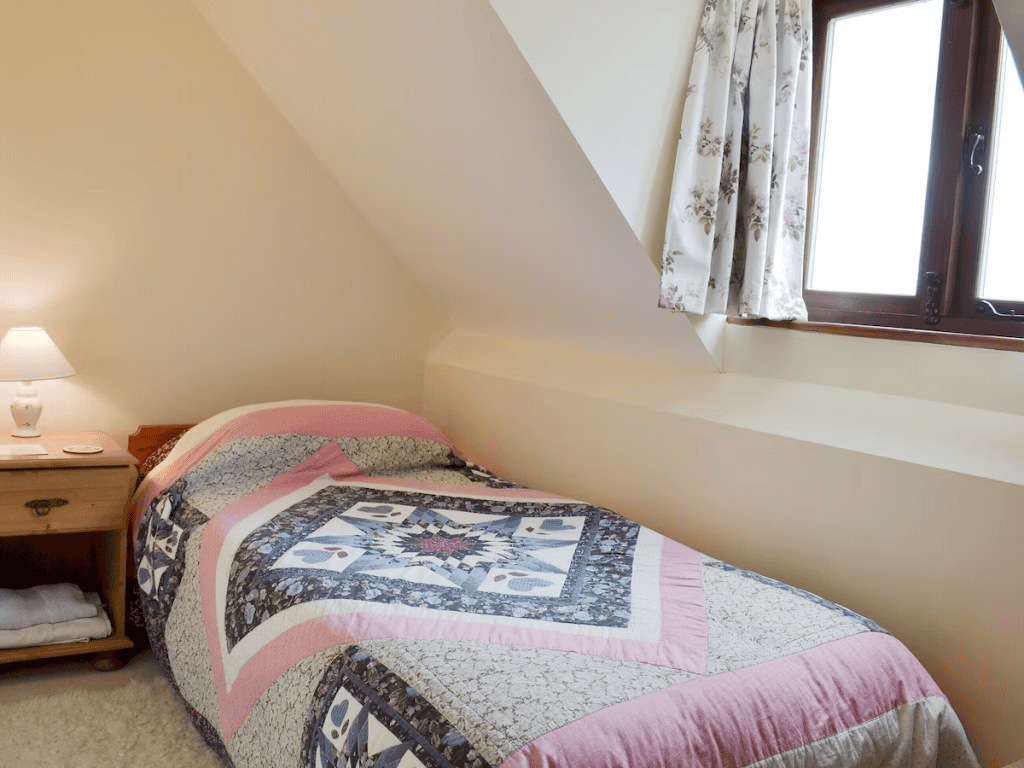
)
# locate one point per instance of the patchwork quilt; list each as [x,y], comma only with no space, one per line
[333,585]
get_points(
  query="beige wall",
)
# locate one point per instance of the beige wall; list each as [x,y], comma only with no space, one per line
[433,123]
[1011,16]
[616,73]
[175,236]
[923,538]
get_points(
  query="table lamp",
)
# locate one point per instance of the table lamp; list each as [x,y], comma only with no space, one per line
[27,355]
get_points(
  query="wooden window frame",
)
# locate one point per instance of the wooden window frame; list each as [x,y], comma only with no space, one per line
[954,207]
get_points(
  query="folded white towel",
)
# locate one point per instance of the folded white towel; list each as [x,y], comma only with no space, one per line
[45,604]
[71,631]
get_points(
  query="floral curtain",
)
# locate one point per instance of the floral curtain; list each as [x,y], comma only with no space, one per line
[734,241]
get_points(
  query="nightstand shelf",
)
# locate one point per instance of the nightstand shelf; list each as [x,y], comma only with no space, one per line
[83,540]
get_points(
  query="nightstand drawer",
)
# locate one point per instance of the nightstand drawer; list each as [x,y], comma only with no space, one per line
[94,499]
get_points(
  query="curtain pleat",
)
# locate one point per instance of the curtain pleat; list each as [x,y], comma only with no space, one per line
[734,239]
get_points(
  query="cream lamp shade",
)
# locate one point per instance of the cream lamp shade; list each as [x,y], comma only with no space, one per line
[27,355]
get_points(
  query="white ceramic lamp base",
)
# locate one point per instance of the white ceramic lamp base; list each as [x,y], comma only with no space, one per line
[26,409]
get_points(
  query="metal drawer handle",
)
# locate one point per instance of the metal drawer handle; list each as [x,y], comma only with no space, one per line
[42,507]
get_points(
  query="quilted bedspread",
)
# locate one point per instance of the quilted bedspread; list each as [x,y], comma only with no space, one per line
[332,585]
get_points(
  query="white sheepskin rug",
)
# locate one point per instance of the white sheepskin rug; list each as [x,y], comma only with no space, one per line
[132,725]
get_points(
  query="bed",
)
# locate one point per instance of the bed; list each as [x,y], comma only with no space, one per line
[333,584]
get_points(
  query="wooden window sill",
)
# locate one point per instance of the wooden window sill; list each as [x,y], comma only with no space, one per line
[1005,343]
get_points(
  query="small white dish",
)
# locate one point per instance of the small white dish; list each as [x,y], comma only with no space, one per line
[83,449]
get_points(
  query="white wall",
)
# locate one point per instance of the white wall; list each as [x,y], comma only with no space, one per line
[176,238]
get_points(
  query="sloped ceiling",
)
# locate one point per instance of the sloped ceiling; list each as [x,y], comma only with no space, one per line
[431,120]
[1011,17]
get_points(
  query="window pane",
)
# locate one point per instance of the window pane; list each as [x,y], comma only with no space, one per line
[1002,271]
[875,145]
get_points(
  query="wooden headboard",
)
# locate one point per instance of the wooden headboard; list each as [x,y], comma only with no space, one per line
[149,437]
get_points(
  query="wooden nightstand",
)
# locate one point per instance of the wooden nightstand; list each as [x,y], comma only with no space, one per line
[84,540]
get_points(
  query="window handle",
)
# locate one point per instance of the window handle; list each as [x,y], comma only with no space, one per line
[976,147]
[983,307]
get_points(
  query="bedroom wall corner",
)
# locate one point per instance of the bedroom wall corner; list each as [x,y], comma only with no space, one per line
[614,71]
[1011,17]
[175,236]
[431,119]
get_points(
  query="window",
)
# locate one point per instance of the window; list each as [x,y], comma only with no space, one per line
[917,180]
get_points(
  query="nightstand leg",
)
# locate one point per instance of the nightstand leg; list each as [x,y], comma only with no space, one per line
[106,662]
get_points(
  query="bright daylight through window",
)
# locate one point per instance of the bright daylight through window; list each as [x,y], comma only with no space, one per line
[1003,275]
[916,183]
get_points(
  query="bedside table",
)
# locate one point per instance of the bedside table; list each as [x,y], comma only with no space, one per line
[83,540]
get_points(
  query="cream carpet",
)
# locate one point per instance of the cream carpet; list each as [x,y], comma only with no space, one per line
[69,715]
